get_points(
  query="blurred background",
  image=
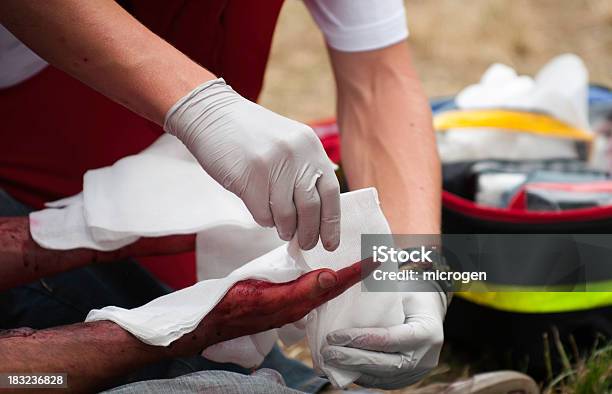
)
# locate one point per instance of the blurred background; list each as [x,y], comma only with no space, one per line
[452,42]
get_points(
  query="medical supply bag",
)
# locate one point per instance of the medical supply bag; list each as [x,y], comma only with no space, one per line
[514,325]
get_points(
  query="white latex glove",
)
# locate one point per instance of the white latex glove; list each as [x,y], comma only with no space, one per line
[394,357]
[277,166]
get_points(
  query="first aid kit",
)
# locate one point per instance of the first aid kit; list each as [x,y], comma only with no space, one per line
[539,125]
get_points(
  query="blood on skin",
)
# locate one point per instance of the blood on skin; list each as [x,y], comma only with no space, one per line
[250,306]
[17,332]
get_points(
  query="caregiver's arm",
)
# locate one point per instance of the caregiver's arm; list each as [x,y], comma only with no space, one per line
[275,165]
[101,44]
[22,260]
[387,135]
[94,354]
[388,142]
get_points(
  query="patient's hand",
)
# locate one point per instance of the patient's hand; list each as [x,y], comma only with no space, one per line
[94,354]
[253,306]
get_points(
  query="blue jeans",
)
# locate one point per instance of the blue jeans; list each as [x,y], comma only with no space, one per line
[210,382]
[68,297]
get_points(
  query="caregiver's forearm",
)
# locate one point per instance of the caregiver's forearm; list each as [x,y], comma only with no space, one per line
[387,136]
[101,44]
[22,260]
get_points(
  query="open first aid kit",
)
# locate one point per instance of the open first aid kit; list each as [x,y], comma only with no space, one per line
[523,155]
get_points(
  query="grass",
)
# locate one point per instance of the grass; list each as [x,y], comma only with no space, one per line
[589,373]
[586,375]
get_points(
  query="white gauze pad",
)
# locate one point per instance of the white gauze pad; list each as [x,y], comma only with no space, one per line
[167,318]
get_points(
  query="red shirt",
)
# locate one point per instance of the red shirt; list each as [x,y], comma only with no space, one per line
[54,128]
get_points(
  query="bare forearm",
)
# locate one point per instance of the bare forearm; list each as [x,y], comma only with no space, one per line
[388,141]
[22,260]
[102,45]
[92,354]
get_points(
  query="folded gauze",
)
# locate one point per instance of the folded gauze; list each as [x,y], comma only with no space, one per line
[166,319]
[160,191]
[164,191]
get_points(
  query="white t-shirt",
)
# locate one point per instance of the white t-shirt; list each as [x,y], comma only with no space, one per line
[359,25]
[348,25]
[17,61]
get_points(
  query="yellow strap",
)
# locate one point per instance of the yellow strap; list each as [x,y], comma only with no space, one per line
[510,121]
[540,302]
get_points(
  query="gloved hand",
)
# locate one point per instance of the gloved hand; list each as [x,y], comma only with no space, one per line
[394,357]
[277,166]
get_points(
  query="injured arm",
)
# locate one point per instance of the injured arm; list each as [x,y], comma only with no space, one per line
[22,260]
[95,354]
[387,135]
[90,353]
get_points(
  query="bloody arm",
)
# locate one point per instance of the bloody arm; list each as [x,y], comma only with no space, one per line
[94,354]
[22,260]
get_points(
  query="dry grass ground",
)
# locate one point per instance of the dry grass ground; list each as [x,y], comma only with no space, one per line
[452,43]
